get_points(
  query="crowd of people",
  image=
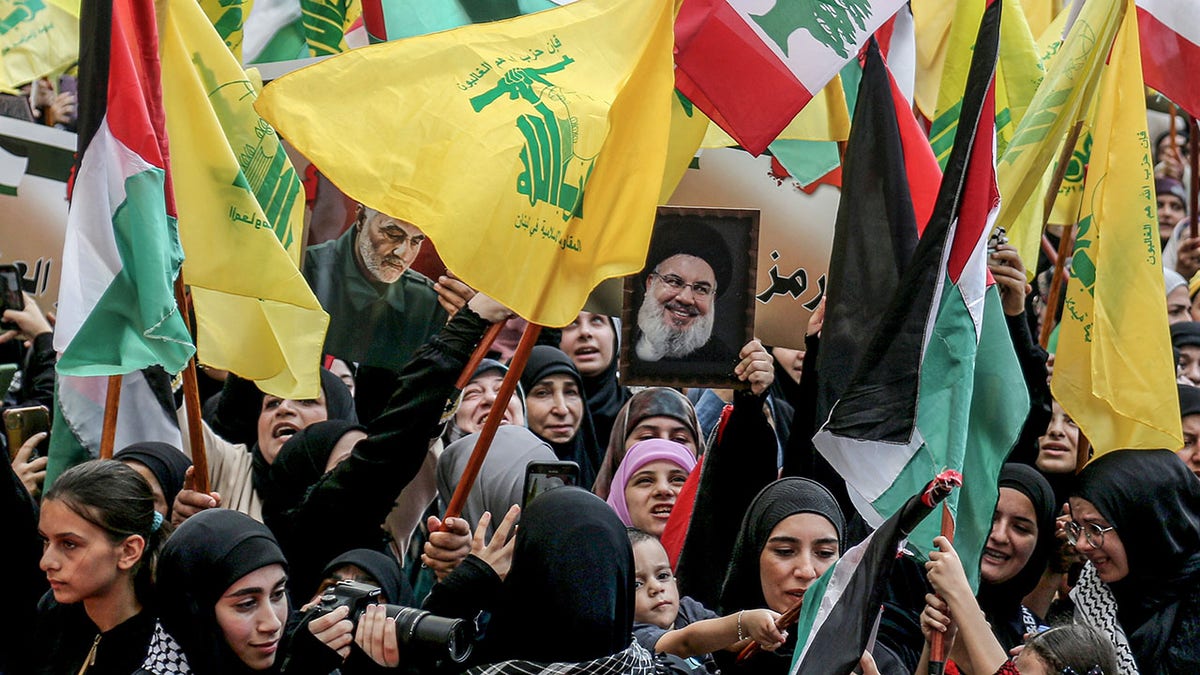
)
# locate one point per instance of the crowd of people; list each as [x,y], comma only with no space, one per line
[693,523]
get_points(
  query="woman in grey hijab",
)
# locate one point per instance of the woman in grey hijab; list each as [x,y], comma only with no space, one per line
[502,477]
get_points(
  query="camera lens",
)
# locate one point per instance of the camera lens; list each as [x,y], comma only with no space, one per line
[417,627]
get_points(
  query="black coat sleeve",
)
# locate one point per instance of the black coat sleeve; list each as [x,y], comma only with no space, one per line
[1033,368]
[19,568]
[344,509]
[37,378]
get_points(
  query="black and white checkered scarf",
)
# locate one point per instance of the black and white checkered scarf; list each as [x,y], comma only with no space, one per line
[634,660]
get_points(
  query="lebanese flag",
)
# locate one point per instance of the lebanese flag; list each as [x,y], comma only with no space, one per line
[1170,37]
[116,303]
[751,71]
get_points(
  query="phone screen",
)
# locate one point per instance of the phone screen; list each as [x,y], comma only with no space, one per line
[22,423]
[10,288]
[542,476]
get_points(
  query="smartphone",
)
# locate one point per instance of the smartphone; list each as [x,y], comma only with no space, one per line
[21,423]
[8,372]
[998,236]
[10,292]
[68,83]
[542,476]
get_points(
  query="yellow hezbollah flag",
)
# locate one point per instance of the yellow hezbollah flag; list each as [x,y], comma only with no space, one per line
[37,38]
[1114,373]
[530,150]
[688,126]
[931,26]
[1018,73]
[241,210]
[1041,14]
[1061,99]
[1069,198]
[229,18]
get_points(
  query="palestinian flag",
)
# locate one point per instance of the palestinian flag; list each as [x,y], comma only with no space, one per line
[116,305]
[1170,41]
[938,385]
[833,629]
[729,52]
[875,233]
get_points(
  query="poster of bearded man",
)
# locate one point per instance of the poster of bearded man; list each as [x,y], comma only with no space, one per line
[689,311]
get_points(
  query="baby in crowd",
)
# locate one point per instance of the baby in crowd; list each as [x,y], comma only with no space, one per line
[679,629]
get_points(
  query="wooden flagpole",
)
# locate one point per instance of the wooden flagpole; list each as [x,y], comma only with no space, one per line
[112,402]
[481,351]
[191,400]
[1057,280]
[1056,284]
[1194,188]
[492,423]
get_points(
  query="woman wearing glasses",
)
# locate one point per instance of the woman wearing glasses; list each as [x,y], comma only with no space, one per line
[1135,517]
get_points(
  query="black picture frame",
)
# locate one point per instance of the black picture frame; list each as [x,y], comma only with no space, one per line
[728,240]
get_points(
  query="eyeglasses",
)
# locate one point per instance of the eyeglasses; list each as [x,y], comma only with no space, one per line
[1092,532]
[700,288]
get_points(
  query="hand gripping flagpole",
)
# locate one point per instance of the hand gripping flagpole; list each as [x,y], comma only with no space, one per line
[942,485]
[495,415]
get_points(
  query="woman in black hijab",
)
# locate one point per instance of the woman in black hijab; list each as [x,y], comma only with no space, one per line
[339,405]
[1135,516]
[218,565]
[568,597]
[553,401]
[791,534]
[1002,587]
[162,465]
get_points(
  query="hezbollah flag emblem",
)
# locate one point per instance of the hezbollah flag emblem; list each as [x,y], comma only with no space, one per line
[531,150]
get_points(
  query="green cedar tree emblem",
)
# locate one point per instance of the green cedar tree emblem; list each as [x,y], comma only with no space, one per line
[834,23]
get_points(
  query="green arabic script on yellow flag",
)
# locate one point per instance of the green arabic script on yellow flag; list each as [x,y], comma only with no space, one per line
[241,211]
[530,150]
[1062,99]
[1114,372]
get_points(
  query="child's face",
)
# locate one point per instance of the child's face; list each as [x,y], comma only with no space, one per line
[656,597]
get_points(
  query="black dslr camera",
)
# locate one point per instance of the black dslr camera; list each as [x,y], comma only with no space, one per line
[415,628]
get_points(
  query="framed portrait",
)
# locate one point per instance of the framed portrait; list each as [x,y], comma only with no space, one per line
[688,312]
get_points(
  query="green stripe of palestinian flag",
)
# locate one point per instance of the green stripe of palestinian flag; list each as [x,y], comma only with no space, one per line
[146,413]
[117,303]
[976,437]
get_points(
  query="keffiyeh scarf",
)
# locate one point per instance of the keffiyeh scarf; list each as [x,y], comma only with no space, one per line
[633,660]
